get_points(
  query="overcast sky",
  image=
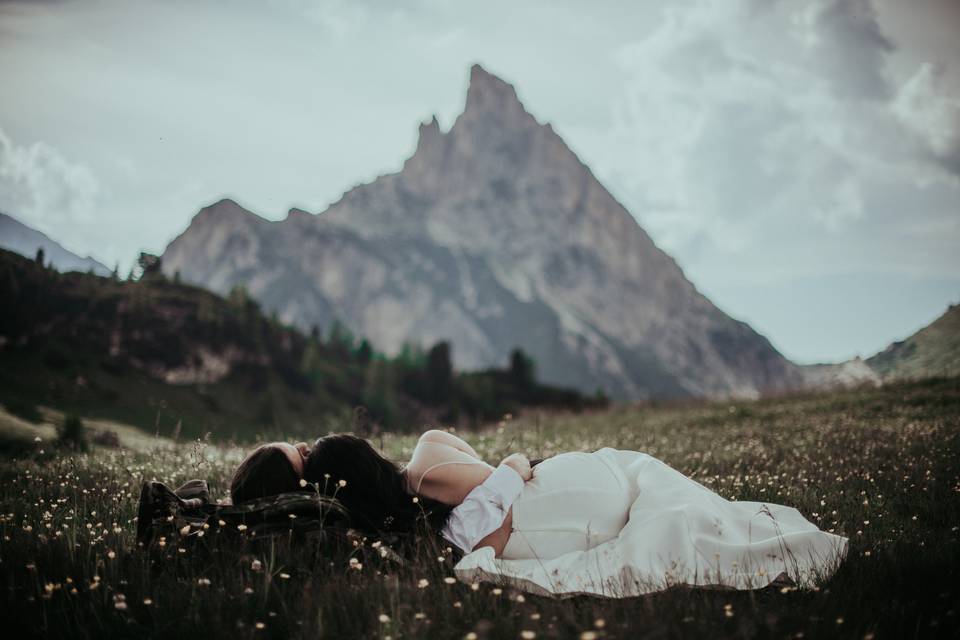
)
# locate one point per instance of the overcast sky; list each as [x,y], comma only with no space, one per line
[800,160]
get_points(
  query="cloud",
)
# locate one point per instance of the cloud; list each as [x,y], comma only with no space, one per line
[753,127]
[43,188]
[849,41]
[926,108]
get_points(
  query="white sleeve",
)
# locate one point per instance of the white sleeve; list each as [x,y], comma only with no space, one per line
[484,509]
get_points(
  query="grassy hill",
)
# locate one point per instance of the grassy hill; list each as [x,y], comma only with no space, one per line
[877,465]
[175,359]
[932,351]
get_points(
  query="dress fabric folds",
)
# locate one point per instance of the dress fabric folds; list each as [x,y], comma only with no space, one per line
[622,523]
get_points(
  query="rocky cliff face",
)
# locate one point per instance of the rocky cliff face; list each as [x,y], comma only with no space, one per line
[493,235]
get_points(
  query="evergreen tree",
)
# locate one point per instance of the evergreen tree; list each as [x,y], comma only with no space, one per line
[364,352]
[439,373]
[522,370]
[40,256]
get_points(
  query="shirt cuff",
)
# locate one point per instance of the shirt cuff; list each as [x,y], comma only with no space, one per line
[505,483]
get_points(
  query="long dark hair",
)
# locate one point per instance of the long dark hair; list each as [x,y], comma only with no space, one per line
[375,494]
[265,472]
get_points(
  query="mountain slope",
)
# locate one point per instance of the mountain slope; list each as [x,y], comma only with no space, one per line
[494,234]
[19,238]
[168,357]
[932,351]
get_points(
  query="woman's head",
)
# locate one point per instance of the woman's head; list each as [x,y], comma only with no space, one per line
[369,486]
[268,470]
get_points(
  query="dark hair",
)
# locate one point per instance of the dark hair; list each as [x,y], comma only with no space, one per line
[375,494]
[265,472]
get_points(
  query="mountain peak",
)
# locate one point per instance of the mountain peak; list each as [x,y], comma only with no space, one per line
[299,214]
[488,93]
[227,209]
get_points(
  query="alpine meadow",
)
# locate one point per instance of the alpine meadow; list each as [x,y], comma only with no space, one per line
[479,320]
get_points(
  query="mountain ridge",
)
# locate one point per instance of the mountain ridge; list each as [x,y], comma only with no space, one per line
[25,240]
[933,350]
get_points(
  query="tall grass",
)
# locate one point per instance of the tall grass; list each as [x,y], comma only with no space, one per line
[879,466]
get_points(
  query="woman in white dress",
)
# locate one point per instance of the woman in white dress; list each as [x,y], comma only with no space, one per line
[610,523]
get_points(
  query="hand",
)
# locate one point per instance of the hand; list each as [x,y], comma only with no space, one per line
[519,463]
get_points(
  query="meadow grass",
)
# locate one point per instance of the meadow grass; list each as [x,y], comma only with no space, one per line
[879,466]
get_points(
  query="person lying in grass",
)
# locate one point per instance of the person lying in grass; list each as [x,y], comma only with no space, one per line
[610,522]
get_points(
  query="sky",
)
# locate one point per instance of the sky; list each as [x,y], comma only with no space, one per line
[799,159]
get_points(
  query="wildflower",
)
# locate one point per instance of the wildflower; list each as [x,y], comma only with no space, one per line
[423,583]
[111,554]
[303,482]
[588,635]
[203,582]
[241,527]
[259,625]
[526,634]
[419,615]
[256,565]
[147,601]
[284,576]
[599,623]
[416,500]
[248,590]
[384,618]
[449,579]
[342,483]
[496,591]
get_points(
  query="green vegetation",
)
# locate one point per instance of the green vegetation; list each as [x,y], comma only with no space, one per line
[178,360]
[72,434]
[932,351]
[877,465]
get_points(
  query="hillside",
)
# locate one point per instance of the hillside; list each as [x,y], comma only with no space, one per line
[175,359]
[493,234]
[19,238]
[932,351]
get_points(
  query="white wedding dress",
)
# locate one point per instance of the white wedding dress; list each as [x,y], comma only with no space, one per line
[621,523]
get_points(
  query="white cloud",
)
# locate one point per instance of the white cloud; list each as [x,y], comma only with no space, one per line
[41,187]
[925,107]
[750,125]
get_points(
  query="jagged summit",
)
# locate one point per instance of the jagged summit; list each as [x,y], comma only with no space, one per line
[494,235]
[492,100]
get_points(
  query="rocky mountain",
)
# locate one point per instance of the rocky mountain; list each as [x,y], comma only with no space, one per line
[493,235]
[19,238]
[932,351]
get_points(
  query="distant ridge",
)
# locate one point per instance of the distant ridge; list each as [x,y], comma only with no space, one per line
[931,351]
[493,235]
[19,238]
